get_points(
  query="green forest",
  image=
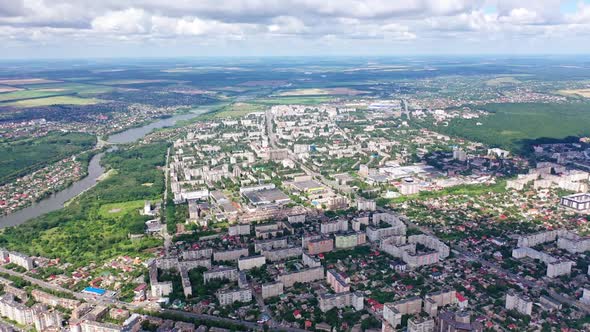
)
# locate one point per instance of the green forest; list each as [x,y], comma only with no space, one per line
[515,126]
[23,156]
[82,232]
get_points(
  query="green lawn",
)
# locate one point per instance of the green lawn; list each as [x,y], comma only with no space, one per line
[120,209]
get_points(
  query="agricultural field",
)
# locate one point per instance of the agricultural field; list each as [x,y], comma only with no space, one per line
[27,81]
[38,91]
[26,155]
[73,87]
[322,92]
[55,100]
[31,94]
[301,100]
[133,81]
[576,92]
[4,89]
[502,80]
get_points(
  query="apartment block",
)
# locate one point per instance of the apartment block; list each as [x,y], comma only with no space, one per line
[305,275]
[230,255]
[197,254]
[250,262]
[282,253]
[337,281]
[230,296]
[321,245]
[270,244]
[220,273]
[239,229]
[520,303]
[272,289]
[341,300]
[349,240]
[334,226]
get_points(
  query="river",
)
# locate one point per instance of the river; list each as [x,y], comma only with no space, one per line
[95,170]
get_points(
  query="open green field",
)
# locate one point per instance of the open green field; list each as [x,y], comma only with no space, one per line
[321,92]
[85,231]
[312,100]
[121,209]
[65,90]
[585,93]
[23,156]
[27,94]
[134,81]
[79,88]
[237,110]
[502,80]
[515,126]
[57,100]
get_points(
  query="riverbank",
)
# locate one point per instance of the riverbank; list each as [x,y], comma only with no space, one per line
[95,171]
[79,233]
[102,177]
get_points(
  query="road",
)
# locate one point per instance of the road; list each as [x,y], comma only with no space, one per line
[269,117]
[262,305]
[250,325]
[166,172]
[107,301]
[167,236]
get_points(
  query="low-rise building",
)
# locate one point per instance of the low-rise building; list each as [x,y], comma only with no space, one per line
[457,322]
[578,202]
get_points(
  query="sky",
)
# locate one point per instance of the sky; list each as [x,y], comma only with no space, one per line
[174,28]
